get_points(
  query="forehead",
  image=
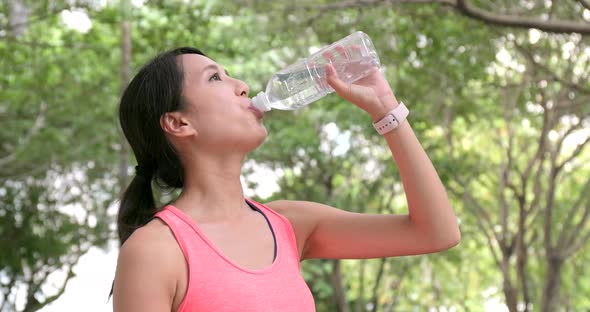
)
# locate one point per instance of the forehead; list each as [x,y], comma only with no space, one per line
[194,66]
[194,63]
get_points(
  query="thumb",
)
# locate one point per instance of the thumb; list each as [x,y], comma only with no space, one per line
[342,88]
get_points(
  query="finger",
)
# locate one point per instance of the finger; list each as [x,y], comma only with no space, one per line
[343,53]
[356,50]
[341,87]
[328,56]
[331,73]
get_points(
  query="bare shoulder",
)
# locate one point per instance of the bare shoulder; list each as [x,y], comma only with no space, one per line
[296,211]
[302,217]
[280,206]
[149,257]
[305,213]
[152,242]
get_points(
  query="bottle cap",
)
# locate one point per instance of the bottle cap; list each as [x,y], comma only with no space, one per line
[261,102]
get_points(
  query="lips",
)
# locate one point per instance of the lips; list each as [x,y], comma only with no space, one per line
[256,112]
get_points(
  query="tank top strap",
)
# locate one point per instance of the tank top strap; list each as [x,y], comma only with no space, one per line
[284,226]
[178,228]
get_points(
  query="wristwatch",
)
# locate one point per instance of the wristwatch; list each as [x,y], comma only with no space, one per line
[392,119]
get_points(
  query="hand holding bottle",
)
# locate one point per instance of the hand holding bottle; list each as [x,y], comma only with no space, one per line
[305,81]
[372,93]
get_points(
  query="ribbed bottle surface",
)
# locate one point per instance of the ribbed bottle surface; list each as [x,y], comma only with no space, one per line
[304,82]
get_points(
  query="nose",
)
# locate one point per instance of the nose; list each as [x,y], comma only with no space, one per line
[241,88]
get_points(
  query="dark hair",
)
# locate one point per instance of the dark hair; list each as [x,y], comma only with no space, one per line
[154,91]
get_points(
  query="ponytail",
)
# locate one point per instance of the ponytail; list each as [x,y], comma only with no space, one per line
[154,91]
[137,205]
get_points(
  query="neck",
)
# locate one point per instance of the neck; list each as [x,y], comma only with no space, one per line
[212,190]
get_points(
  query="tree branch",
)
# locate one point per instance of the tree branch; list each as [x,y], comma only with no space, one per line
[551,9]
[549,204]
[574,154]
[541,146]
[39,122]
[537,191]
[575,247]
[395,285]
[483,228]
[471,11]
[379,276]
[585,4]
[62,289]
[6,295]
[529,56]
[564,240]
[504,179]
[482,213]
[554,26]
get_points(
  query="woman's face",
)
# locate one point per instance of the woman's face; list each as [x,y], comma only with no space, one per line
[218,106]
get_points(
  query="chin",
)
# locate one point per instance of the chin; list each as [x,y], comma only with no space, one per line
[252,139]
[261,137]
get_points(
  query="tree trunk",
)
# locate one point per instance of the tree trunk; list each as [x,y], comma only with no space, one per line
[18,17]
[339,292]
[394,287]
[375,292]
[510,292]
[522,258]
[550,300]
[360,301]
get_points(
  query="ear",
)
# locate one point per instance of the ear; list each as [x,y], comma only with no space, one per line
[174,123]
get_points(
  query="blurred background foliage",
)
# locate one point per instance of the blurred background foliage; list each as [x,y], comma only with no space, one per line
[498,92]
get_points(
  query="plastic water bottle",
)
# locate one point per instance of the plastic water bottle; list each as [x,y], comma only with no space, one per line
[299,84]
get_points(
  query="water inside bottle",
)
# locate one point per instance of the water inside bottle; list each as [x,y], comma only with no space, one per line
[297,86]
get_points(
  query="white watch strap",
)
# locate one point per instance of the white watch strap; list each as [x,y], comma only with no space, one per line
[392,119]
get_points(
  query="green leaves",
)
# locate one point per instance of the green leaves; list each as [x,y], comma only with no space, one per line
[58,101]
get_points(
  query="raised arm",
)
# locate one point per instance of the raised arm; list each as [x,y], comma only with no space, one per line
[430,225]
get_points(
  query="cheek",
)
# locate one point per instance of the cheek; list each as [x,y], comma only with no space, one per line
[239,130]
[221,122]
[214,103]
[221,114]
[206,110]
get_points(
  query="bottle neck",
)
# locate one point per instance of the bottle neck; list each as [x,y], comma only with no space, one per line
[261,102]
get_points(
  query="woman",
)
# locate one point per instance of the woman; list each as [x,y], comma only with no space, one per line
[190,126]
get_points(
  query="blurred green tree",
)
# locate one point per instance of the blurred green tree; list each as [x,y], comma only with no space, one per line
[502,112]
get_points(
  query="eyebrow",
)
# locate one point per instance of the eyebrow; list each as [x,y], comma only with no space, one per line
[213,66]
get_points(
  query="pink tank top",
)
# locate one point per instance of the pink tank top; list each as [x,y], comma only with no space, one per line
[215,283]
